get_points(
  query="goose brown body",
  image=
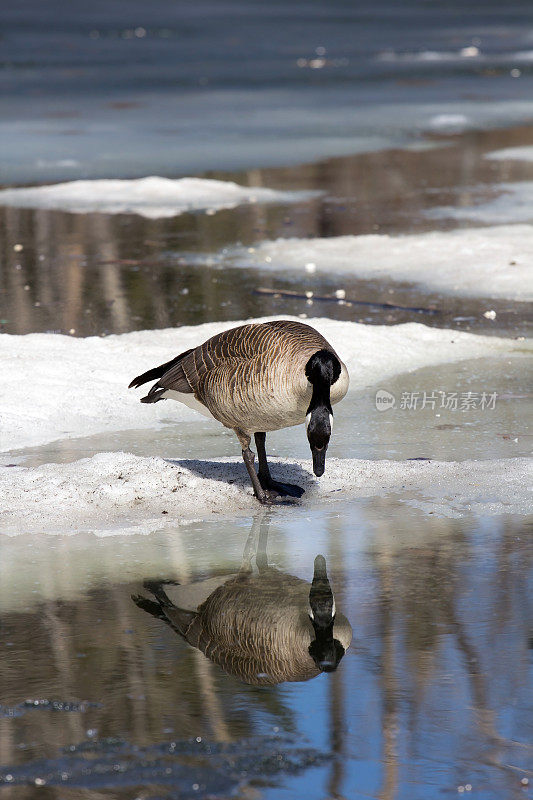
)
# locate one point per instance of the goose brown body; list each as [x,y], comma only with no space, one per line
[257,628]
[257,378]
[251,378]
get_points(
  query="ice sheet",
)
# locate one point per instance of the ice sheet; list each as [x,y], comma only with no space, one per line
[151,197]
[514,203]
[524,153]
[479,262]
[56,386]
[123,493]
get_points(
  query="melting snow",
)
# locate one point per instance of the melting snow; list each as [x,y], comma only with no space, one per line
[56,386]
[486,262]
[524,153]
[122,493]
[514,203]
[149,197]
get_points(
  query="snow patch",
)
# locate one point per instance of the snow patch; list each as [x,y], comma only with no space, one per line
[151,197]
[487,262]
[524,55]
[449,122]
[513,204]
[524,153]
[122,493]
[415,57]
[56,387]
[62,162]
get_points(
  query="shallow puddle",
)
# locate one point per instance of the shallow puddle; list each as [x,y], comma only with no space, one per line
[94,274]
[430,695]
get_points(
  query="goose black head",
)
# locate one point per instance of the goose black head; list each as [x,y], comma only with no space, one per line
[322,370]
[325,651]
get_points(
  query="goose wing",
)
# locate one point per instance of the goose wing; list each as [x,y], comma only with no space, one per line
[186,373]
[245,349]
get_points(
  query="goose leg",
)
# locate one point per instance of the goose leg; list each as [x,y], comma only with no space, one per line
[262,496]
[261,557]
[265,478]
[248,458]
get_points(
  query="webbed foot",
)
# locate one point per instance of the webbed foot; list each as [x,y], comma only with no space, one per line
[278,489]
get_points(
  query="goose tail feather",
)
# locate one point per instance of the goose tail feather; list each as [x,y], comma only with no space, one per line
[151,375]
[156,373]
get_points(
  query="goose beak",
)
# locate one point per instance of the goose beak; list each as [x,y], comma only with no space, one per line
[326,654]
[327,665]
[319,460]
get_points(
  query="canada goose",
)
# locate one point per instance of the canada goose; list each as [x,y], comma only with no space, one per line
[257,378]
[262,628]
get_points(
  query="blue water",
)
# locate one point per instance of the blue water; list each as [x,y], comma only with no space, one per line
[432,694]
[132,88]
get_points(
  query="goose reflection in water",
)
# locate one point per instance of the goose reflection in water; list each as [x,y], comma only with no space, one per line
[262,627]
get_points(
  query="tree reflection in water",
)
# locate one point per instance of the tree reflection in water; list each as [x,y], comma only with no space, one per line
[432,692]
[98,273]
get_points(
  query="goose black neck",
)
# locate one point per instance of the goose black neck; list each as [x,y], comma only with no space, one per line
[320,399]
[321,600]
[322,370]
[325,651]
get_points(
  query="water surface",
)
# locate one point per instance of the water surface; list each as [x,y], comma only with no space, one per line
[93,274]
[430,696]
[388,111]
[173,88]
